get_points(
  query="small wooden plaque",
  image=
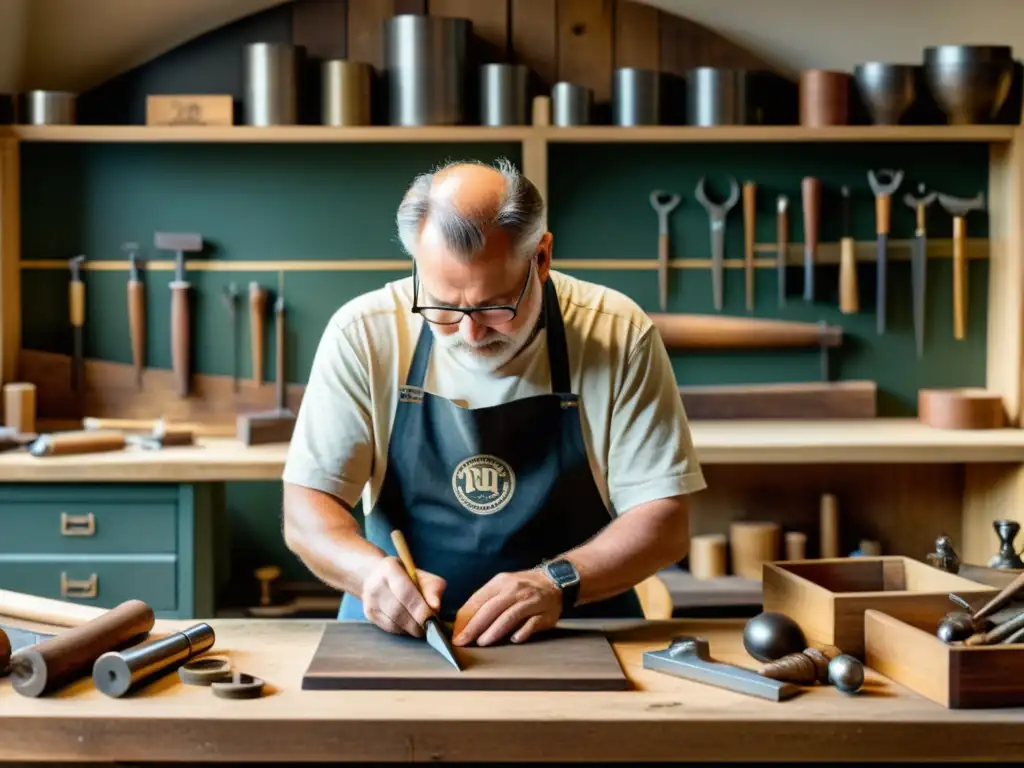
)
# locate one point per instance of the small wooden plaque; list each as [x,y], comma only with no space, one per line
[188,109]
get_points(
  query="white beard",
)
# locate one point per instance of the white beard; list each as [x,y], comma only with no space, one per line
[488,355]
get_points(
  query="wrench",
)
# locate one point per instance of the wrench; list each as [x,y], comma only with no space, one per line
[663,204]
[689,658]
[919,261]
[717,213]
[883,209]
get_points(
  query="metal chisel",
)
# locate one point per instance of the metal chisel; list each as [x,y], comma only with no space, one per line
[436,636]
[919,261]
[883,210]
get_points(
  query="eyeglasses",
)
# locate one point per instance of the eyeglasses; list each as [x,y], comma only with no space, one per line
[487,315]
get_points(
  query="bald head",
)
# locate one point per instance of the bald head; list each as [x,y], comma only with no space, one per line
[465,202]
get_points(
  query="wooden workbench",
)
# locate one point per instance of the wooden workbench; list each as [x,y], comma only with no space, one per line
[662,719]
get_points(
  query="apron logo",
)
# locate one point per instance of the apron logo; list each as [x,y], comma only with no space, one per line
[483,484]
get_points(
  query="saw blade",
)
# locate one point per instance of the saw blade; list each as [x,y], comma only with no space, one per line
[437,639]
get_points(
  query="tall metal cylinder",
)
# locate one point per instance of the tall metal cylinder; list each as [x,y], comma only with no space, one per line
[345,96]
[716,96]
[503,94]
[636,97]
[271,84]
[426,69]
[570,104]
[47,108]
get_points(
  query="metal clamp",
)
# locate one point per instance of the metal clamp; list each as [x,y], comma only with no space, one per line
[77,525]
[81,588]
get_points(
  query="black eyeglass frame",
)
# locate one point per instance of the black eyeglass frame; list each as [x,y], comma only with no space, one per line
[513,308]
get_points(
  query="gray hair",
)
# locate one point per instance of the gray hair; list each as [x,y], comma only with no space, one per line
[520,213]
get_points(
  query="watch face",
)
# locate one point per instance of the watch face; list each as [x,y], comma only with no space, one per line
[562,571]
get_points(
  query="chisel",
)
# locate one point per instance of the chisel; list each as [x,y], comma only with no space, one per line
[810,189]
[849,296]
[180,321]
[76,312]
[782,238]
[257,312]
[919,261]
[749,225]
[883,211]
[136,312]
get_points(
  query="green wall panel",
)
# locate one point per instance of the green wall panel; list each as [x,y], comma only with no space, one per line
[600,209]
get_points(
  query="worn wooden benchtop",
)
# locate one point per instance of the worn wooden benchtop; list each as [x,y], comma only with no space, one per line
[717,442]
[662,719]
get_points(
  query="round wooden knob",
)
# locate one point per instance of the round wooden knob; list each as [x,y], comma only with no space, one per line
[967,408]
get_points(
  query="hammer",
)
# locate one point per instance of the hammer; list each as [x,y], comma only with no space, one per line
[959,207]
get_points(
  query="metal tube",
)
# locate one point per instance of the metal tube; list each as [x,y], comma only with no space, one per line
[716,96]
[47,108]
[570,104]
[271,84]
[503,94]
[636,97]
[345,96]
[426,69]
[117,672]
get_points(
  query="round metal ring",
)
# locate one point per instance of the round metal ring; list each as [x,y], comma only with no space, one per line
[205,670]
[241,686]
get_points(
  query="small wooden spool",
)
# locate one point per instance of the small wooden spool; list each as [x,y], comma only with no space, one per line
[968,408]
[824,98]
[542,110]
[20,406]
[707,556]
[753,544]
[796,545]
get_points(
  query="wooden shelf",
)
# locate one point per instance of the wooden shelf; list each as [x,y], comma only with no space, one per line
[480,134]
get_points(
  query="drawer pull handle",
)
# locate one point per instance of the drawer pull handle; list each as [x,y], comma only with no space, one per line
[80,587]
[77,525]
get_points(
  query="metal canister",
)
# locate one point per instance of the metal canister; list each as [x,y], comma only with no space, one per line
[636,96]
[345,96]
[47,108]
[271,84]
[570,104]
[716,96]
[503,94]
[426,69]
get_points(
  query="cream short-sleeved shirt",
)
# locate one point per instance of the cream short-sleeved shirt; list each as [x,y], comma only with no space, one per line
[634,426]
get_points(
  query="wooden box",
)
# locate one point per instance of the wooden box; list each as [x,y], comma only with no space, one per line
[828,597]
[957,677]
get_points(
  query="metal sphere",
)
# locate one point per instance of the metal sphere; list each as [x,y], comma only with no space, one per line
[846,673]
[770,636]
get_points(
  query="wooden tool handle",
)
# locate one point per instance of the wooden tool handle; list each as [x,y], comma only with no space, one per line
[883,213]
[59,613]
[55,662]
[718,332]
[829,521]
[749,223]
[68,443]
[959,278]
[999,600]
[782,232]
[663,272]
[405,556]
[137,323]
[810,189]
[180,358]
[257,310]
[920,215]
[279,343]
[76,303]
[849,298]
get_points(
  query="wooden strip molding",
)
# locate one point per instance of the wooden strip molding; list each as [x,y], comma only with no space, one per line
[828,253]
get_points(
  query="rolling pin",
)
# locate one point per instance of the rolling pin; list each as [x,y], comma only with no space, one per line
[257,311]
[53,663]
[43,610]
[717,332]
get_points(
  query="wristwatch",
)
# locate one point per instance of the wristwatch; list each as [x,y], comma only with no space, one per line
[566,577]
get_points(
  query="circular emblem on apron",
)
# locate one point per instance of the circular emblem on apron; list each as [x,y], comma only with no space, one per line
[483,484]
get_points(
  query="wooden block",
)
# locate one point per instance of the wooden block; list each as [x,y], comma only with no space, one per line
[359,655]
[542,111]
[585,51]
[265,428]
[799,400]
[534,39]
[187,109]
[828,597]
[20,406]
[752,544]
[796,545]
[708,556]
[966,408]
[957,677]
[637,36]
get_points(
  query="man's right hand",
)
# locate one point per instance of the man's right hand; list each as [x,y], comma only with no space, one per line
[392,602]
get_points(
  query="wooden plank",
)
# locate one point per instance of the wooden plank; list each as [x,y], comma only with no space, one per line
[10,259]
[534,39]
[358,655]
[637,35]
[490,25]
[320,26]
[585,50]
[824,400]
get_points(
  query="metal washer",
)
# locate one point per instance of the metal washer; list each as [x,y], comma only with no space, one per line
[241,686]
[205,670]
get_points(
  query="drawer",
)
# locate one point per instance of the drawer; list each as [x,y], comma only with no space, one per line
[96,581]
[88,527]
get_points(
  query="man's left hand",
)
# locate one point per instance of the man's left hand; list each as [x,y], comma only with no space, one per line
[523,602]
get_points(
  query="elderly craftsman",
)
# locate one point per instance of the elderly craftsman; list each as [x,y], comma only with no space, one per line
[522,428]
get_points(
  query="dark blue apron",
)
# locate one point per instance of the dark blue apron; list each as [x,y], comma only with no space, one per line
[477,492]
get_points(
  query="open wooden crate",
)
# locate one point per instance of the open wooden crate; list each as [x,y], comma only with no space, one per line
[955,676]
[828,597]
